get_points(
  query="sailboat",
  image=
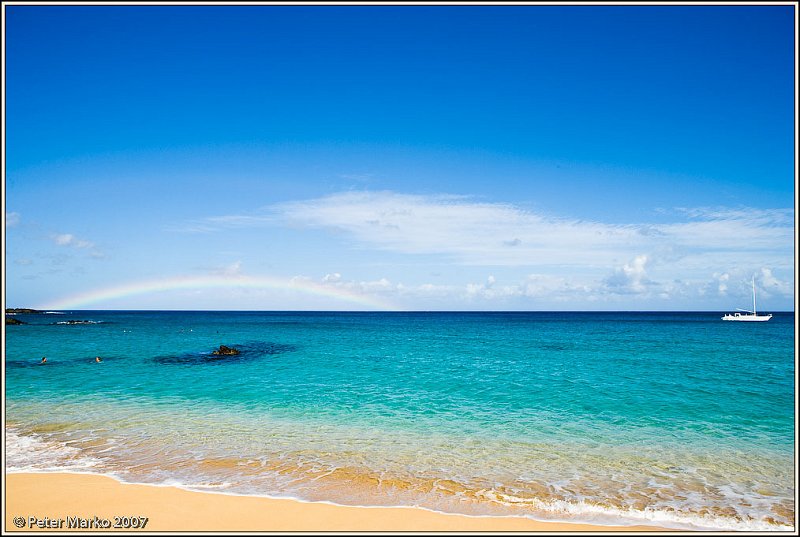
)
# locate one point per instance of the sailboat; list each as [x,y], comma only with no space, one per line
[747,315]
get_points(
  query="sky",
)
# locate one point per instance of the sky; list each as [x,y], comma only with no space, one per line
[324,157]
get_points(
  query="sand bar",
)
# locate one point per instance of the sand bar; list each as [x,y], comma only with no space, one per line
[59,496]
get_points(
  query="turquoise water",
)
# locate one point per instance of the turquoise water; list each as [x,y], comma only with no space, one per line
[677,419]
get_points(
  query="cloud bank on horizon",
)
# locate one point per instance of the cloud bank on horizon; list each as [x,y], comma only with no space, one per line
[529,260]
[559,261]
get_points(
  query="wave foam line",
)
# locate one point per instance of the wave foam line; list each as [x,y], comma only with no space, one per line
[582,511]
[30,453]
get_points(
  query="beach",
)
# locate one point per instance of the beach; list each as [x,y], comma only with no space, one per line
[62,500]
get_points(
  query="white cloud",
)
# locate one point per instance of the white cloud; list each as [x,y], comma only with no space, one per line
[233,270]
[12,219]
[430,290]
[481,289]
[762,216]
[631,277]
[549,285]
[628,284]
[722,287]
[701,252]
[771,285]
[467,231]
[68,239]
[498,234]
[335,277]
[381,286]
[300,279]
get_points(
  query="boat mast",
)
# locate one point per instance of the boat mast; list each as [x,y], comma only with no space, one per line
[754,295]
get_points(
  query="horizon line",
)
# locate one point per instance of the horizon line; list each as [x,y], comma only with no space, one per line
[44,311]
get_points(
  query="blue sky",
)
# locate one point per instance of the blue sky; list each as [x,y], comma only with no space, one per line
[408,157]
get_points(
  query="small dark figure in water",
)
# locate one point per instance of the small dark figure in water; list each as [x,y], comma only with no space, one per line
[97,359]
[44,360]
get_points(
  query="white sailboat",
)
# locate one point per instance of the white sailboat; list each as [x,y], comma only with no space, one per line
[745,315]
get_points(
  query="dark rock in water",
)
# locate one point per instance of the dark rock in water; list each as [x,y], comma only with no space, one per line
[11,320]
[226,351]
[245,351]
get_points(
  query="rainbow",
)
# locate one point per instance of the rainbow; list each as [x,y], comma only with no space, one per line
[93,297]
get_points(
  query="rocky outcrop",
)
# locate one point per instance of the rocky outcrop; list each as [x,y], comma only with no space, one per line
[11,320]
[225,351]
[21,310]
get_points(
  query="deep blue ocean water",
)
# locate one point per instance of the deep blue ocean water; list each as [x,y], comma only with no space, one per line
[678,419]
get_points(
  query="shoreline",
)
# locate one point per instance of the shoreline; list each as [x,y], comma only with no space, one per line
[66,498]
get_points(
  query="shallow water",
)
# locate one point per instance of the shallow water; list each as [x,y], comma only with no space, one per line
[674,418]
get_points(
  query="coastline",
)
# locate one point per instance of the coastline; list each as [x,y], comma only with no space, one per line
[86,496]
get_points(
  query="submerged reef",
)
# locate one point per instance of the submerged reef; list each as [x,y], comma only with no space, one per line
[242,352]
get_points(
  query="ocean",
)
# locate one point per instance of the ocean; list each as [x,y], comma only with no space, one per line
[675,419]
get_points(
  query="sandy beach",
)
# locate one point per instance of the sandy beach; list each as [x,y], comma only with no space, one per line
[57,501]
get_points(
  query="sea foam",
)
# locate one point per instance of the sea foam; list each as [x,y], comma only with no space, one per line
[31,453]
